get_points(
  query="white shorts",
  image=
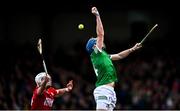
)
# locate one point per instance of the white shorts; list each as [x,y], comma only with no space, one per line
[105,97]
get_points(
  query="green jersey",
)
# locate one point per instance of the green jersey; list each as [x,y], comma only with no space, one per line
[103,67]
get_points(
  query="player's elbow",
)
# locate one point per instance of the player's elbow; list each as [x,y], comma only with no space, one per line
[100,35]
[100,32]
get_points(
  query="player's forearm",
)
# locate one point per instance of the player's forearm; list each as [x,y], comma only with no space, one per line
[121,55]
[61,91]
[41,88]
[100,32]
[99,26]
[125,53]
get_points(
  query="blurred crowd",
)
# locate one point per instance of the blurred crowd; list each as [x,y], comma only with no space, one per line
[147,80]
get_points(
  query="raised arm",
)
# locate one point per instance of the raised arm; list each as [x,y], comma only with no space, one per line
[126,52]
[68,88]
[42,87]
[99,28]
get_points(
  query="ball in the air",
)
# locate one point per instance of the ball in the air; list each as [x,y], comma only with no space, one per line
[80,26]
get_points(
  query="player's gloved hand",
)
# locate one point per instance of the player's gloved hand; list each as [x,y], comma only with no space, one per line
[95,11]
[69,86]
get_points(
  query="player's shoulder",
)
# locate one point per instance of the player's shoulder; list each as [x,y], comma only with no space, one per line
[51,88]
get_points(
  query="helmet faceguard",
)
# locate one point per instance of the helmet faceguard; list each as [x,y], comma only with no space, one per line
[40,78]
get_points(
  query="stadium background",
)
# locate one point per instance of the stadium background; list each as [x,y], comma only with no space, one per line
[148,78]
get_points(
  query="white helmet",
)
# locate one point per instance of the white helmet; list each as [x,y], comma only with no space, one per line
[39,78]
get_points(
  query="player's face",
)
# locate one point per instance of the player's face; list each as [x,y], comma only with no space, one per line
[49,83]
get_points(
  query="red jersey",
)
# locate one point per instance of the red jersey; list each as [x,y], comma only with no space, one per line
[43,101]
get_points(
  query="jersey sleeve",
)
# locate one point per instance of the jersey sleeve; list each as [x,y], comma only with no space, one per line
[34,96]
[52,91]
[110,56]
[35,93]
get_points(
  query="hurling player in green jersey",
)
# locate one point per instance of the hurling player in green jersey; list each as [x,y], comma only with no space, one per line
[104,93]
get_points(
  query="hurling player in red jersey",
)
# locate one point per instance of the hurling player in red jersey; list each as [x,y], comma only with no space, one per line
[44,94]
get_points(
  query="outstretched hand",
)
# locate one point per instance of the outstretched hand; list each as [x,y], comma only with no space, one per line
[136,46]
[94,11]
[69,86]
